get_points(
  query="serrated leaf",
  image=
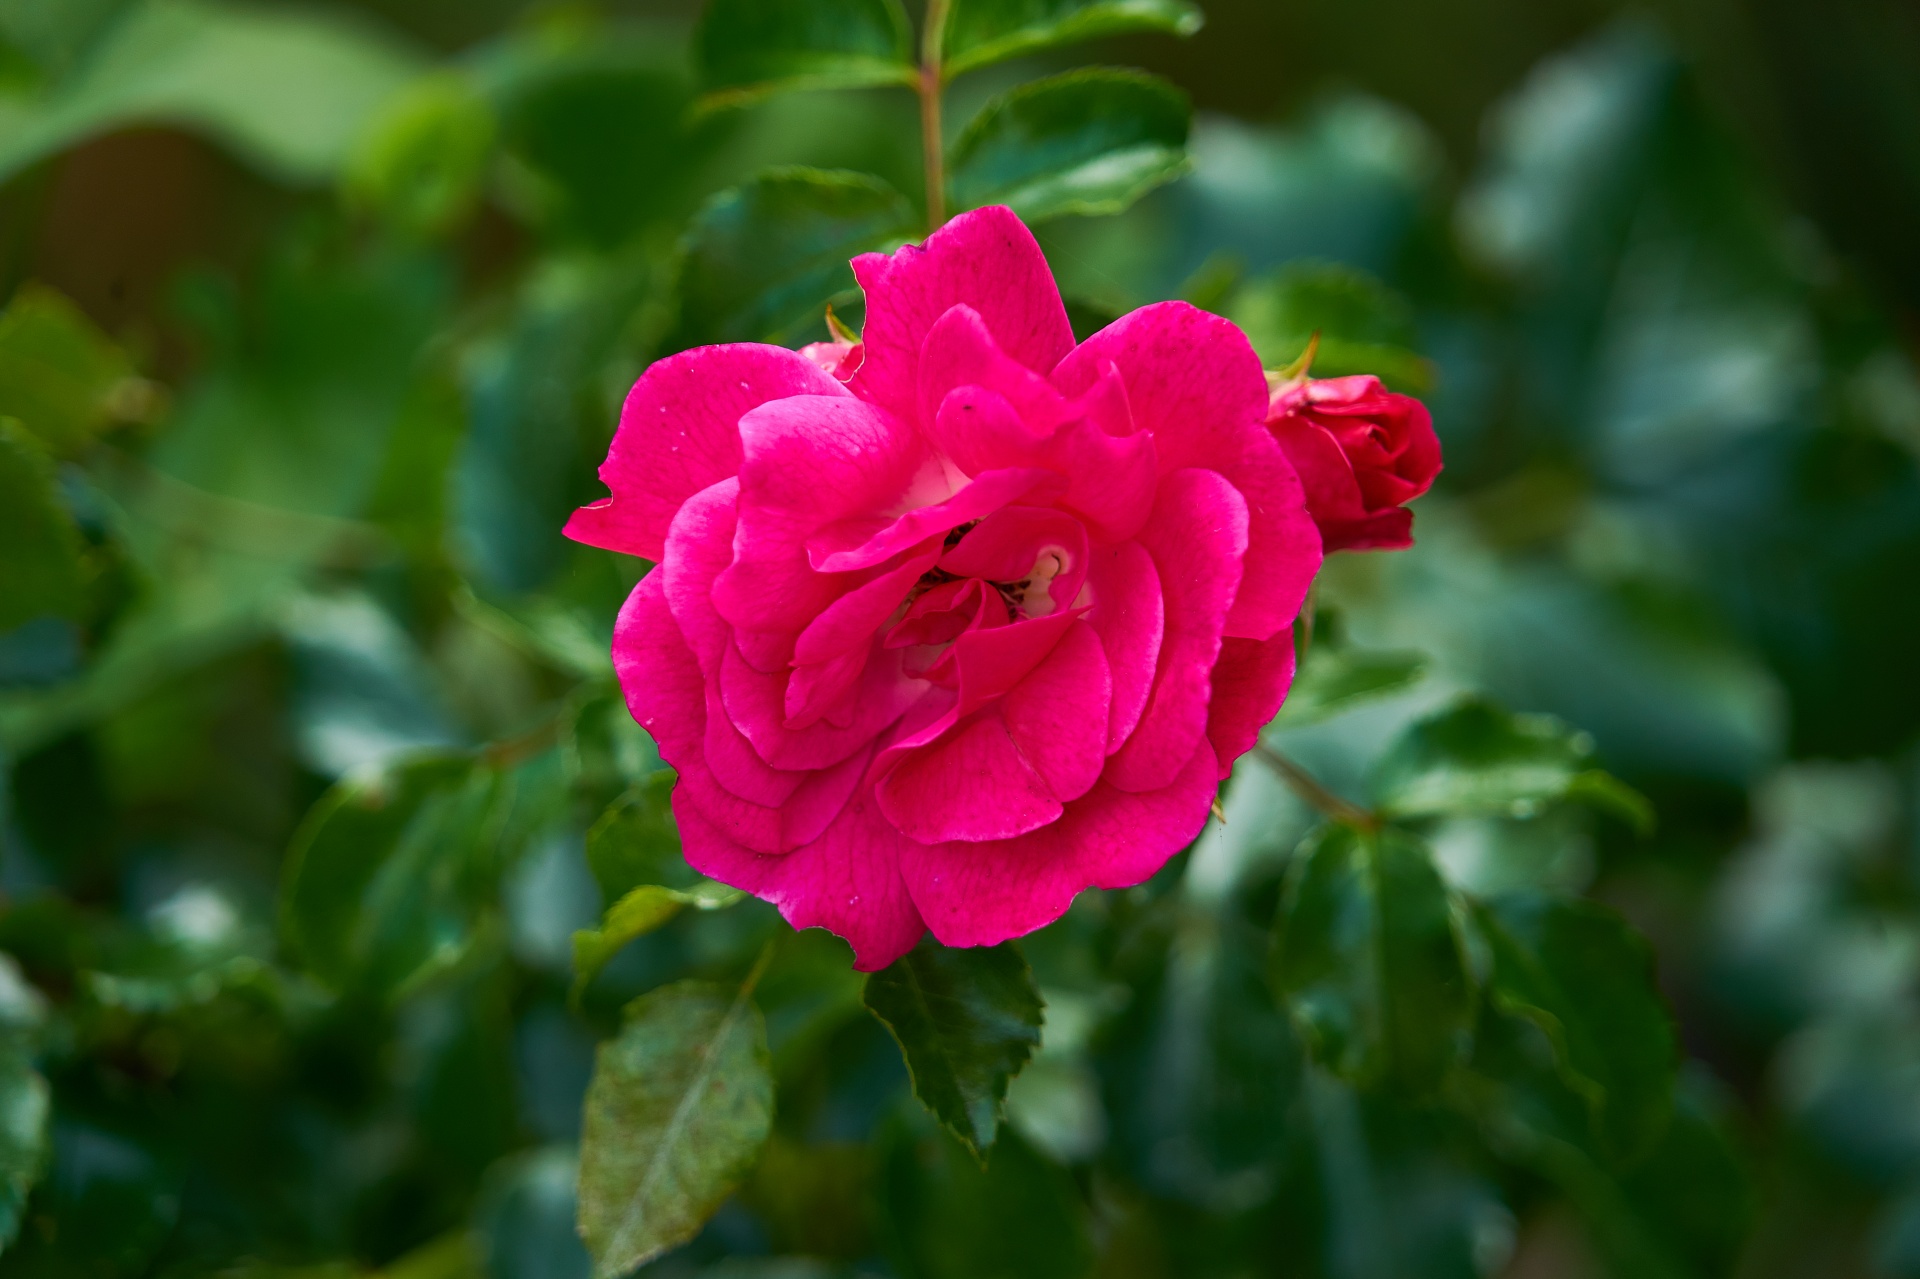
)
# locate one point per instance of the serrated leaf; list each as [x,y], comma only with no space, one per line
[636,842]
[761,260]
[1578,972]
[980,32]
[58,373]
[40,567]
[751,47]
[1333,680]
[1475,758]
[680,1104]
[646,908]
[1369,961]
[966,1022]
[1087,142]
[1362,325]
[389,876]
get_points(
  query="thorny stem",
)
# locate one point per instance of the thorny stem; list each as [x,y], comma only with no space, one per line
[1308,788]
[932,80]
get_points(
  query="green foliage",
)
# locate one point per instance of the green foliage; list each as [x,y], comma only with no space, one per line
[1369,959]
[1363,326]
[24,1100]
[980,32]
[763,259]
[635,842]
[1088,142]
[58,373]
[40,566]
[1017,1216]
[680,1103]
[966,1021]
[1477,758]
[1576,971]
[1333,680]
[638,913]
[748,47]
[422,162]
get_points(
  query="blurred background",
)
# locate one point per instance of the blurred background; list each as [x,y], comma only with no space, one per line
[322,315]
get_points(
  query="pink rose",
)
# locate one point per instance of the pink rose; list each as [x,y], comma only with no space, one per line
[1362,452]
[979,628]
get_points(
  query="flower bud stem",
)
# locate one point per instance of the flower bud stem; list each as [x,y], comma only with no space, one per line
[932,82]
[1317,796]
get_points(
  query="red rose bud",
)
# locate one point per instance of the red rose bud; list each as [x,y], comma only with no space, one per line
[1362,452]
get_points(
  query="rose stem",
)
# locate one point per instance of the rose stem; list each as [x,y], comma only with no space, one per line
[1306,787]
[932,80]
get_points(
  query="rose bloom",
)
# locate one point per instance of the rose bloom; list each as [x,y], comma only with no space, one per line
[1362,452]
[951,625]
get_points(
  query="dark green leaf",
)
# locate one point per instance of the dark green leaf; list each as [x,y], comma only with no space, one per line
[40,570]
[1576,970]
[58,373]
[635,915]
[388,878]
[966,1020]
[1476,758]
[636,842]
[980,32]
[1334,679]
[1087,142]
[749,47]
[763,259]
[680,1104]
[1369,961]
[1364,326]
[290,91]
[25,1102]
[946,1217]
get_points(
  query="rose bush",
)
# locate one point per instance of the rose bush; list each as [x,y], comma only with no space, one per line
[1362,453]
[953,624]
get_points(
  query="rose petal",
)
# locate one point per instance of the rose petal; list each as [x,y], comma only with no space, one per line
[1250,681]
[1129,616]
[1056,715]
[971,784]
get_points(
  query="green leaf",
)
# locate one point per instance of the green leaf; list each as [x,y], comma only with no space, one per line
[1088,142]
[966,1021]
[947,1217]
[423,160]
[762,260]
[979,32]
[58,373]
[752,47]
[1363,326]
[636,842]
[1579,973]
[289,91]
[1475,758]
[389,878]
[40,568]
[1369,961]
[1335,679]
[646,908]
[680,1104]
[25,1100]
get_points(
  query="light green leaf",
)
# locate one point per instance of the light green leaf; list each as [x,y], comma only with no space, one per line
[980,32]
[1335,679]
[680,1104]
[752,47]
[1088,142]
[1475,758]
[762,260]
[58,373]
[638,913]
[40,568]
[1363,326]
[1369,961]
[289,91]
[422,162]
[1577,971]
[966,1021]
